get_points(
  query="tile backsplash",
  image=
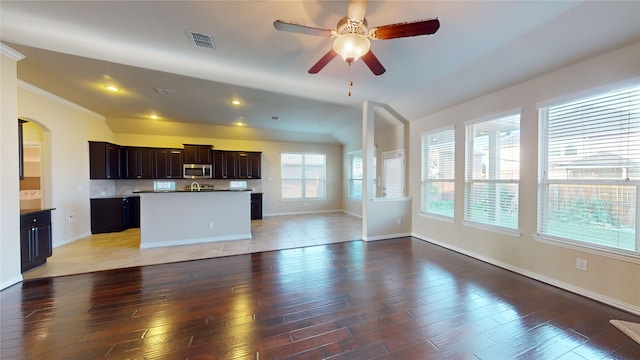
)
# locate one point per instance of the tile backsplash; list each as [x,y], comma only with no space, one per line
[124,187]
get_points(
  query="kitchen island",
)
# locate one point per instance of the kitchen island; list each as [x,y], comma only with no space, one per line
[170,218]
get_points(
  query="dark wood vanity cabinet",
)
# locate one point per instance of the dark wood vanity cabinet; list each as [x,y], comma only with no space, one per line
[104,160]
[197,154]
[35,239]
[168,163]
[137,163]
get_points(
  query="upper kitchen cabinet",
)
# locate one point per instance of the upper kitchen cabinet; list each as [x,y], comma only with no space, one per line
[197,154]
[104,160]
[225,164]
[137,163]
[168,163]
[249,165]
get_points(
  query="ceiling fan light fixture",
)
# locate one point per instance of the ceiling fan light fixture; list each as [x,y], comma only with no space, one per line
[351,46]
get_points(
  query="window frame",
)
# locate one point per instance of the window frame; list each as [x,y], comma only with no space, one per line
[353,178]
[469,181]
[390,155]
[303,180]
[544,182]
[426,181]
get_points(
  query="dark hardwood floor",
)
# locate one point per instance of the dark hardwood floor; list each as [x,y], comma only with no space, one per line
[394,299]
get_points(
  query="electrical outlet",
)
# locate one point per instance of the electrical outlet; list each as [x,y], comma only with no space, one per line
[399,221]
[581,264]
[71,217]
[210,224]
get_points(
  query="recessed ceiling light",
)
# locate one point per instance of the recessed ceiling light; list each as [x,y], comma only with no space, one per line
[235,102]
[112,88]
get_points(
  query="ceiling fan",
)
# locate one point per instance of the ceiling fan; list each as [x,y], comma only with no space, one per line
[352,36]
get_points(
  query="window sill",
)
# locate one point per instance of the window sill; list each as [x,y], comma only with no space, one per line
[589,248]
[495,229]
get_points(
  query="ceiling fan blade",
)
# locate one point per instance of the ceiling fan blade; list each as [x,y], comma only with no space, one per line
[357,9]
[301,29]
[373,63]
[406,29]
[323,62]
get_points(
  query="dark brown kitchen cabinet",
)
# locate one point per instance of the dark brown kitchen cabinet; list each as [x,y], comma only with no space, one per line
[225,164]
[35,239]
[137,163]
[197,154]
[256,206]
[114,214]
[168,163]
[104,160]
[249,165]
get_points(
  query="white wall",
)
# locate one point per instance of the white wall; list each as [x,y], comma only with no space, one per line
[610,280]
[9,186]
[270,183]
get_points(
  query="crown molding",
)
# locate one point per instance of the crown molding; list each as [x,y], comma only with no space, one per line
[36,90]
[11,53]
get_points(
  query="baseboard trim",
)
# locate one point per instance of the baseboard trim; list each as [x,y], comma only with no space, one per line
[302,213]
[14,280]
[539,277]
[195,241]
[385,237]
[70,240]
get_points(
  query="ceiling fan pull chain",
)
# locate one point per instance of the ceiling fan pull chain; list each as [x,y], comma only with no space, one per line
[350,79]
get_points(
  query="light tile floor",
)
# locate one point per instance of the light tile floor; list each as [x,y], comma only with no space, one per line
[122,249]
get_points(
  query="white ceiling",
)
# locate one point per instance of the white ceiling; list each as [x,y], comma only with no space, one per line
[73,48]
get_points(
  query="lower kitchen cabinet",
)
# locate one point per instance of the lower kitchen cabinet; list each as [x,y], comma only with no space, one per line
[35,239]
[256,206]
[114,214]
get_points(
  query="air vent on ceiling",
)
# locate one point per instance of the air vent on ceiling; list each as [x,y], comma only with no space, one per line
[274,117]
[170,92]
[201,40]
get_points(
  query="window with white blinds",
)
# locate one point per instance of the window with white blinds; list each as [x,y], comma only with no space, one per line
[438,172]
[355,175]
[393,174]
[303,176]
[493,172]
[590,170]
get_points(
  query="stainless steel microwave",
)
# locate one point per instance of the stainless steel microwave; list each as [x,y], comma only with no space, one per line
[197,171]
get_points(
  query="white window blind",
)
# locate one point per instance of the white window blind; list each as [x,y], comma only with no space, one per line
[493,172]
[393,172]
[303,176]
[438,172]
[590,170]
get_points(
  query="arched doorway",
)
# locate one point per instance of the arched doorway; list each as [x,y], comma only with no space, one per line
[35,185]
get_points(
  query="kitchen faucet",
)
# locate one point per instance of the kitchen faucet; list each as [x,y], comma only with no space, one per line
[196,185]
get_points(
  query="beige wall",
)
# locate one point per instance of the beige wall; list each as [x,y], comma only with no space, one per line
[270,183]
[9,186]
[608,279]
[65,157]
